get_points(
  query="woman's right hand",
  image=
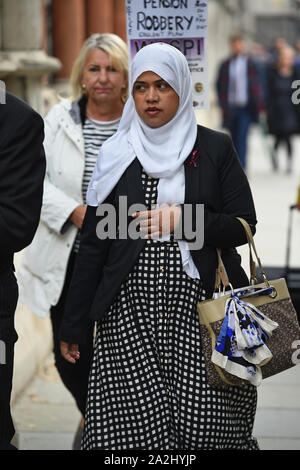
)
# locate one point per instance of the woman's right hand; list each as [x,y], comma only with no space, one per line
[69,351]
[77,216]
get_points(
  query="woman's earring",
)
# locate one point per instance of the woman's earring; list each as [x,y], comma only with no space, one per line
[83,86]
[124,95]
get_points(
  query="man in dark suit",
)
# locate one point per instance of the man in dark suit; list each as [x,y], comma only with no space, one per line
[240,94]
[22,171]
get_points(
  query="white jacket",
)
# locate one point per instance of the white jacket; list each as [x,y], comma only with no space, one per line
[43,265]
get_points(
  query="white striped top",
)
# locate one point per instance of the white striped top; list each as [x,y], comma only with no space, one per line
[95,133]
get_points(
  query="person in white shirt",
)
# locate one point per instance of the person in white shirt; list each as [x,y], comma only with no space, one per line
[240,94]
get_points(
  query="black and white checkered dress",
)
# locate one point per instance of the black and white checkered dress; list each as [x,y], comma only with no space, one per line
[147,386]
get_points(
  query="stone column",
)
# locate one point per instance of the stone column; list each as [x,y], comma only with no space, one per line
[120,18]
[1,16]
[44,27]
[22,25]
[23,62]
[68,32]
[100,16]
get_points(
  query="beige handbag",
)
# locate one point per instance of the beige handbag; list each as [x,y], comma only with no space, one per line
[276,306]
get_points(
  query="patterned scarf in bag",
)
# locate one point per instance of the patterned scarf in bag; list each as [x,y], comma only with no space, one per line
[241,346]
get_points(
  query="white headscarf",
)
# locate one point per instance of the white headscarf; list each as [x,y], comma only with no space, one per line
[161,151]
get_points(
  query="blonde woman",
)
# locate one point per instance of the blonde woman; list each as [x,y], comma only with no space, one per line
[74,132]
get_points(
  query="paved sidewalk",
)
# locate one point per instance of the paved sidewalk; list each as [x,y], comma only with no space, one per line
[277,424]
[45,415]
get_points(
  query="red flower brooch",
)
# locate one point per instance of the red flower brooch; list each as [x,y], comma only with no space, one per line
[193,159]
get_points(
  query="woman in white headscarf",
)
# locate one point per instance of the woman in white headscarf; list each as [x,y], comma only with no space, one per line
[147,386]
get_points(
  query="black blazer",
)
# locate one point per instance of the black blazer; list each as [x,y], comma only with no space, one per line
[22,171]
[213,177]
[280,107]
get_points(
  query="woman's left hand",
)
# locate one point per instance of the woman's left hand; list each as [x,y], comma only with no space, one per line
[69,351]
[159,222]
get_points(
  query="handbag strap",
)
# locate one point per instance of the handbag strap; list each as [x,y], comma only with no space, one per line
[221,274]
[252,264]
[252,245]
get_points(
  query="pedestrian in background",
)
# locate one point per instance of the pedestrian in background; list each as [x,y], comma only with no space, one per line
[147,387]
[279,43]
[283,116]
[240,94]
[261,58]
[22,171]
[297,53]
[74,132]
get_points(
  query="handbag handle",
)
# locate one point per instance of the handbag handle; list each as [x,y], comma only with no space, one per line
[252,264]
[221,274]
[252,245]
